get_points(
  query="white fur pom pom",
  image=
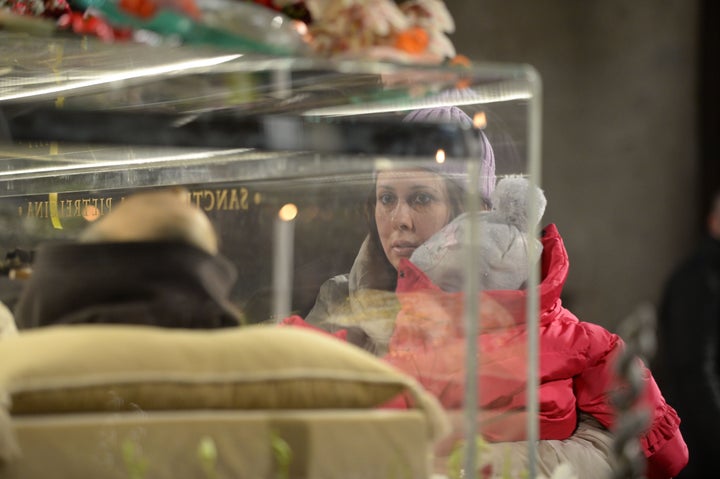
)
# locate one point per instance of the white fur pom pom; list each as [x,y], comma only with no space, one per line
[510,200]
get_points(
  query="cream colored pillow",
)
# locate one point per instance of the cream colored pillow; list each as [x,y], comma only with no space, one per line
[119,367]
[98,368]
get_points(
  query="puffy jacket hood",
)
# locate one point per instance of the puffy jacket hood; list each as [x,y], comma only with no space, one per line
[554,270]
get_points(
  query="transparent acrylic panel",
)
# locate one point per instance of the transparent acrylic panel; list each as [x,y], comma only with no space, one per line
[378,160]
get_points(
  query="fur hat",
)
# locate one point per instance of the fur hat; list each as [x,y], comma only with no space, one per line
[502,262]
[163,214]
[456,170]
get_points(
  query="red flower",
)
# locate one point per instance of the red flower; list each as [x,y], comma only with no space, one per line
[413,40]
[486,471]
[139,8]
[85,24]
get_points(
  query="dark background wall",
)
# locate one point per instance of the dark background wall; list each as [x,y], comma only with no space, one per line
[623,164]
[709,101]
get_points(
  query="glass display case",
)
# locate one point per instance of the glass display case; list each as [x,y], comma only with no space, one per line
[351,148]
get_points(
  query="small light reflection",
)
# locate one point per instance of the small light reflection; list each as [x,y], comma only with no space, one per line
[440,156]
[301,27]
[91,213]
[311,212]
[479,120]
[288,212]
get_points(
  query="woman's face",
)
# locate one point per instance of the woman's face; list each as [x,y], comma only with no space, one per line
[411,205]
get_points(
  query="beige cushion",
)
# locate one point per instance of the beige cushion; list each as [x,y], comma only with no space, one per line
[98,368]
[116,367]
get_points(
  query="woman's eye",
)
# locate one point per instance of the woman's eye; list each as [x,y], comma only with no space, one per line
[386,198]
[422,199]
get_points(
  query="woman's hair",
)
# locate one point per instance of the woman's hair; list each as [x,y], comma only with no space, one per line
[455,194]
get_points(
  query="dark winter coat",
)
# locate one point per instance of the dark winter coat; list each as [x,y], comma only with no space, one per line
[165,284]
[688,359]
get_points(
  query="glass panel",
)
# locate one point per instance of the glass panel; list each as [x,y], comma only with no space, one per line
[391,170]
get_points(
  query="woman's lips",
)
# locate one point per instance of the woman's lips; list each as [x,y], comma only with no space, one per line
[403,249]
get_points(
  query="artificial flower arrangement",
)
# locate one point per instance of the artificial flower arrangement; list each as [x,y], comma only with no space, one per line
[400,30]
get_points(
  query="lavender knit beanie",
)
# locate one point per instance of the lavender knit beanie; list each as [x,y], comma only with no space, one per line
[453,114]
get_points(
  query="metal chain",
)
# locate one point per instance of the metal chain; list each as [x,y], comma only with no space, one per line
[638,330]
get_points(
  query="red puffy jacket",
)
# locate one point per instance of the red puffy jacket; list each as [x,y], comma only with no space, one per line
[575,360]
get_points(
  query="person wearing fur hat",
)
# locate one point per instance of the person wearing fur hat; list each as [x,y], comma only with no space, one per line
[576,359]
[406,207]
[152,260]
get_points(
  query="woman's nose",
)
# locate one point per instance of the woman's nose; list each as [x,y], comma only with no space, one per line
[402,217]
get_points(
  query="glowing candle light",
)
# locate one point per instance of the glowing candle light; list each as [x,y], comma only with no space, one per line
[284,232]
[440,156]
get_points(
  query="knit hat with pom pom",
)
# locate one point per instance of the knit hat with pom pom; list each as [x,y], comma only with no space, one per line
[504,246]
[456,170]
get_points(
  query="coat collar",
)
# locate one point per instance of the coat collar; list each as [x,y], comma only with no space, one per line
[554,271]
